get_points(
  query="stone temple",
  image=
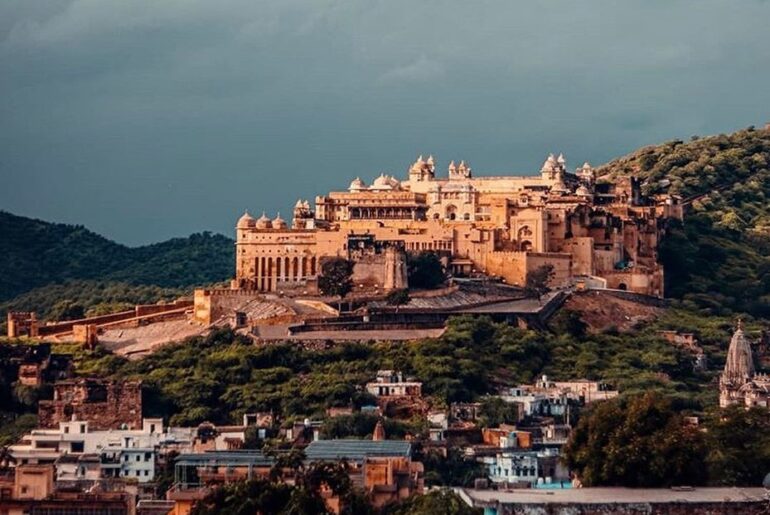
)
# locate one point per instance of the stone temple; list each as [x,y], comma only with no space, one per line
[501,226]
[740,383]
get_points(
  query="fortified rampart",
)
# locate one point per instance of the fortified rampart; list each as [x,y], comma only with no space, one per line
[84,330]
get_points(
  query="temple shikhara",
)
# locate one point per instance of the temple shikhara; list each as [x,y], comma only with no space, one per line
[500,226]
[740,383]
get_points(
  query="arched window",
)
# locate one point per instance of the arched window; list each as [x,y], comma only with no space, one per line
[467,216]
[451,212]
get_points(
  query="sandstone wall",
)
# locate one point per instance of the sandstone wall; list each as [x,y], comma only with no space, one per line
[104,404]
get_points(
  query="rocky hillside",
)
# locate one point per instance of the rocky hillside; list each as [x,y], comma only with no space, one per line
[719,259]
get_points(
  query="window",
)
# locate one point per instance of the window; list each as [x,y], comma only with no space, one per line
[146,473]
[82,428]
[147,456]
[66,430]
[138,458]
[76,446]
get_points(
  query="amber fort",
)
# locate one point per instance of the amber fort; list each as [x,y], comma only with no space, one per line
[498,226]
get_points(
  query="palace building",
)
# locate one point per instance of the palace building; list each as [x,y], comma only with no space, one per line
[502,226]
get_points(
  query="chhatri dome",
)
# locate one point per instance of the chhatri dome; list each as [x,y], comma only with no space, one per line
[385,183]
[582,191]
[279,223]
[263,222]
[357,185]
[245,221]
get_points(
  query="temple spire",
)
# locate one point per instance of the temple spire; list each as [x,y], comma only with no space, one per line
[379,432]
[739,367]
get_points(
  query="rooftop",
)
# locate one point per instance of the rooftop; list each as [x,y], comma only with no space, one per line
[615,495]
[356,450]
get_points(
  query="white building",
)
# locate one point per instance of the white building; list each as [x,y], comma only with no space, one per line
[550,398]
[391,383]
[80,454]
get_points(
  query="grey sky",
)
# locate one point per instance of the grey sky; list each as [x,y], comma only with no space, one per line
[146,119]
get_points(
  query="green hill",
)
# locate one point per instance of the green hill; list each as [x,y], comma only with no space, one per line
[719,259]
[42,260]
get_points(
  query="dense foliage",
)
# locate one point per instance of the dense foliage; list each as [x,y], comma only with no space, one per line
[638,441]
[265,496]
[719,260]
[302,498]
[335,279]
[644,440]
[424,270]
[433,503]
[222,376]
[538,281]
[34,253]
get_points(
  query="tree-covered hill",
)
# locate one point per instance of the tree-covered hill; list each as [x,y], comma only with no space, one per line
[35,253]
[719,259]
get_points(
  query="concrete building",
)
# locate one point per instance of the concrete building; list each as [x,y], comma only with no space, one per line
[31,489]
[390,383]
[81,454]
[551,398]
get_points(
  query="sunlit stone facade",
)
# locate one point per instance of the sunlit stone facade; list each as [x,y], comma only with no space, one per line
[503,226]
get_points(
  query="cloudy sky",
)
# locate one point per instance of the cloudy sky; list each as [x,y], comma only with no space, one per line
[146,119]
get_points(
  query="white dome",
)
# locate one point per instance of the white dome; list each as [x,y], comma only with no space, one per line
[382,183]
[357,185]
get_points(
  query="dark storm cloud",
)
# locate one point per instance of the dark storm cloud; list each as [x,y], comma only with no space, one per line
[145,119]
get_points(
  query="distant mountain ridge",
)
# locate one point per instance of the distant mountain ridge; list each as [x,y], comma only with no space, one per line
[35,253]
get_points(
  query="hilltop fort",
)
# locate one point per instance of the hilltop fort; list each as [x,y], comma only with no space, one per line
[504,227]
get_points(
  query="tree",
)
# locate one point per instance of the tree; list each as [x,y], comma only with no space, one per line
[397,298]
[495,411]
[335,279]
[424,270]
[242,497]
[251,439]
[636,441]
[739,446]
[433,503]
[538,281]
[67,310]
